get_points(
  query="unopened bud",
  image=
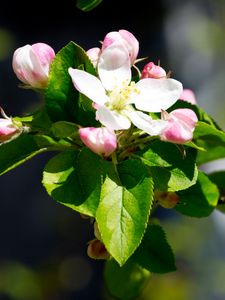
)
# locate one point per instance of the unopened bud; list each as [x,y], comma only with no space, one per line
[7,129]
[127,39]
[31,64]
[153,71]
[180,125]
[97,250]
[100,140]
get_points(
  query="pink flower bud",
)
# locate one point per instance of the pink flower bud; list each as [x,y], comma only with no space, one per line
[7,129]
[94,54]
[167,199]
[153,71]
[180,125]
[100,140]
[128,40]
[97,250]
[189,96]
[31,64]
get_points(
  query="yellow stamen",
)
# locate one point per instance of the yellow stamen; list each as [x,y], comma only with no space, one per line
[119,97]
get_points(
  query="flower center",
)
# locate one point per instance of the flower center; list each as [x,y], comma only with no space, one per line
[121,97]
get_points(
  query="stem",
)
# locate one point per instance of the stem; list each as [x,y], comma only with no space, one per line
[115,163]
[138,71]
[135,143]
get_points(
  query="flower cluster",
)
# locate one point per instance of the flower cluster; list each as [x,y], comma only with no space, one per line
[120,101]
[130,108]
[128,140]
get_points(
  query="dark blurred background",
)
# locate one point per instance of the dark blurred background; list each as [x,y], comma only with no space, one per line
[42,243]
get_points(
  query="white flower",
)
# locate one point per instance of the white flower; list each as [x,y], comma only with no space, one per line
[116,95]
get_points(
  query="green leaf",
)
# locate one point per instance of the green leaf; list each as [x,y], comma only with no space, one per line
[193,145]
[38,121]
[126,282]
[87,5]
[171,169]
[62,99]
[45,141]
[63,129]
[124,210]
[154,253]
[74,179]
[212,140]
[200,199]
[218,178]
[16,152]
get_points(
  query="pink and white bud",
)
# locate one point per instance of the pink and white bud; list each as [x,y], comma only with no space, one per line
[180,125]
[189,96]
[100,140]
[127,39]
[153,71]
[96,249]
[7,129]
[94,54]
[31,64]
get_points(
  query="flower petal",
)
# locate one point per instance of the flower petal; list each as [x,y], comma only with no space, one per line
[157,94]
[44,56]
[146,123]
[132,44]
[189,96]
[88,85]
[185,116]
[180,126]
[112,119]
[114,66]
[23,65]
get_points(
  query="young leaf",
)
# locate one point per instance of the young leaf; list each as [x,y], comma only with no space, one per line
[38,121]
[16,152]
[126,282]
[62,99]
[74,179]
[123,211]
[45,141]
[171,169]
[154,253]
[212,140]
[200,199]
[87,5]
[218,178]
[63,129]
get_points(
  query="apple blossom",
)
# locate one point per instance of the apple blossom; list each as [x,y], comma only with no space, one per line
[31,64]
[153,71]
[188,95]
[100,140]
[115,93]
[180,125]
[7,129]
[127,39]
